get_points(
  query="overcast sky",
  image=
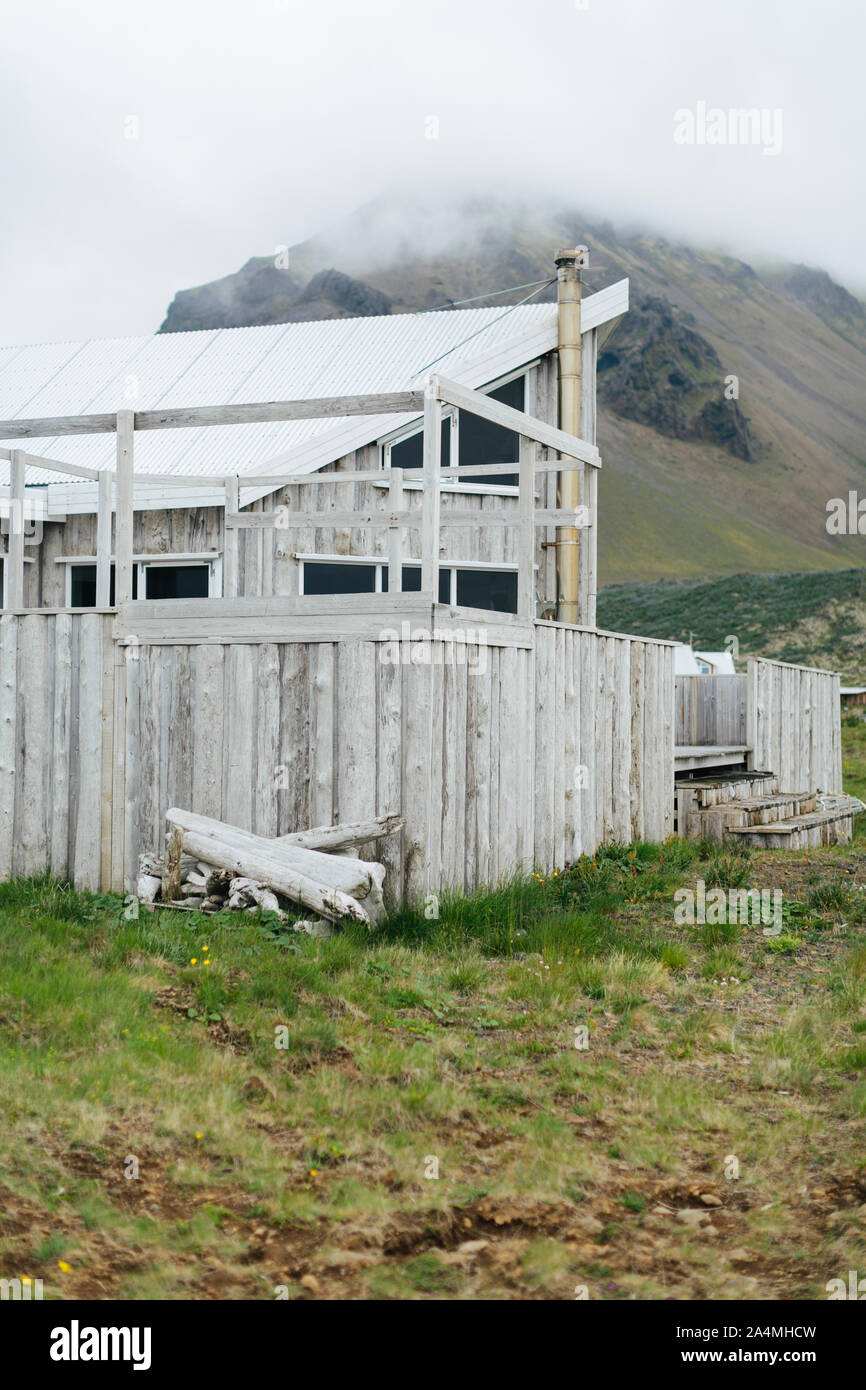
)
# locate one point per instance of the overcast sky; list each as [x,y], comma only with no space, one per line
[150,145]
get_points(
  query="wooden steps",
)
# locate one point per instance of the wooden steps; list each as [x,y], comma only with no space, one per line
[749,808]
[748,812]
[826,825]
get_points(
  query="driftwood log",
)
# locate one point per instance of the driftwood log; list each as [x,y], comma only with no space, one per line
[333,886]
[328,838]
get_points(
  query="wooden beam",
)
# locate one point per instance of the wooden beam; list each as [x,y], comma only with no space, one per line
[37,461]
[516,420]
[103,539]
[124,506]
[261,412]
[230,539]
[526,542]
[15,556]
[264,521]
[430,504]
[396,503]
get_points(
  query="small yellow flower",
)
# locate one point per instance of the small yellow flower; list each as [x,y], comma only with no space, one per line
[205,948]
[198,1134]
[314,1172]
[193,960]
[64,1267]
[205,962]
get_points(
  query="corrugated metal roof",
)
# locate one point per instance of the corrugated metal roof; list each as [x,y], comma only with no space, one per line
[332,357]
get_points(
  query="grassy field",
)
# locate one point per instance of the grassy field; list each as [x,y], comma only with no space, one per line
[216,1108]
[817,618]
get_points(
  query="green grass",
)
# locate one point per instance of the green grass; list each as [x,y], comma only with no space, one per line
[817,617]
[488,1103]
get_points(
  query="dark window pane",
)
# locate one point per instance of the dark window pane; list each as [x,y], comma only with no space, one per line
[409,453]
[176,581]
[83,590]
[482,442]
[412,582]
[83,593]
[339,579]
[496,589]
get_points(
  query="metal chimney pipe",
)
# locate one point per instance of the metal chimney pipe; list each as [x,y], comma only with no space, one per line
[568,292]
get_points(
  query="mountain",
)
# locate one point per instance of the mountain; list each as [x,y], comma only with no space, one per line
[732,397]
[816,619]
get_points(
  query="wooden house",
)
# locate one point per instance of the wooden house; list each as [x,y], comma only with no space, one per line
[325,571]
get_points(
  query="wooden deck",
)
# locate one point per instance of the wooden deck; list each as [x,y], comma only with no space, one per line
[690,757]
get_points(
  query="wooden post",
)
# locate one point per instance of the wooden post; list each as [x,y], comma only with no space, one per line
[125,501]
[15,556]
[230,540]
[395,532]
[103,540]
[588,555]
[526,544]
[431,505]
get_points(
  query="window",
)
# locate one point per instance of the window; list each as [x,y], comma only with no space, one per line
[150,579]
[175,581]
[412,582]
[477,441]
[409,452]
[472,586]
[82,586]
[495,589]
[322,577]
[483,442]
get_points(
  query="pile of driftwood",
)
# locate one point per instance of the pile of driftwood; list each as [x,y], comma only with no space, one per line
[210,866]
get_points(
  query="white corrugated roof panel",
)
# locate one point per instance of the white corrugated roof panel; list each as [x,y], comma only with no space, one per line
[330,357]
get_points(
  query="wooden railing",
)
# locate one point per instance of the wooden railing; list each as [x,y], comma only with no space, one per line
[571,454]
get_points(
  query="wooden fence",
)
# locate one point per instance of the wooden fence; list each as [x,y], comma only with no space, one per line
[794,720]
[56,701]
[711,711]
[522,746]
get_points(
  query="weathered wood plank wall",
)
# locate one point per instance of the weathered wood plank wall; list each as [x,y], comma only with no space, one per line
[525,752]
[795,725]
[56,720]
[711,711]
[499,757]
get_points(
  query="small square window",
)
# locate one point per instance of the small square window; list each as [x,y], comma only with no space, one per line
[493,589]
[82,586]
[322,578]
[176,581]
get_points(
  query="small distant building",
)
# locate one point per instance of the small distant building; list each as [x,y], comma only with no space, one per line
[716,663]
[685,663]
[852,696]
[688,662]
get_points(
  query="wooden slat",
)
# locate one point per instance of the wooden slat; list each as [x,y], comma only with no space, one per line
[515,420]
[431,510]
[261,412]
[207,732]
[15,552]
[61,754]
[124,509]
[103,539]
